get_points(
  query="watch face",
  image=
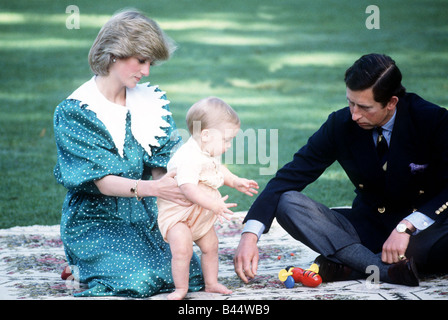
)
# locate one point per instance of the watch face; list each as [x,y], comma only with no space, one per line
[401,227]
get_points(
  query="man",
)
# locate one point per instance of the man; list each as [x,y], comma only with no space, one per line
[393,146]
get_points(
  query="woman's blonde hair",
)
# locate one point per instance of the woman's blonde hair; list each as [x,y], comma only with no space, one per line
[209,112]
[129,34]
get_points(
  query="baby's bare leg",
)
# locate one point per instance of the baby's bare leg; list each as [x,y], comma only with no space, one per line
[210,262]
[181,244]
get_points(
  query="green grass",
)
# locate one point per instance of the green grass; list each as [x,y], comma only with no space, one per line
[280,64]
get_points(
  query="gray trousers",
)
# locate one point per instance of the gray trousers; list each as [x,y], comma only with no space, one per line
[327,231]
[315,225]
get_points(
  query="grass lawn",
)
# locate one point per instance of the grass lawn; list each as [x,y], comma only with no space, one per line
[280,64]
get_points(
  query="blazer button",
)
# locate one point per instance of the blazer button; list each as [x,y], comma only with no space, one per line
[361,186]
[420,192]
[382,210]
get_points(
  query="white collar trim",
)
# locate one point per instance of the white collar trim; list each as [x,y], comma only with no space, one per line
[143,102]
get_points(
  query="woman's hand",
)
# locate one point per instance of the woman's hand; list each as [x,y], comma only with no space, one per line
[162,185]
[166,188]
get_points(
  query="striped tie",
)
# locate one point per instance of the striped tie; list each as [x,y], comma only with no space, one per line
[382,148]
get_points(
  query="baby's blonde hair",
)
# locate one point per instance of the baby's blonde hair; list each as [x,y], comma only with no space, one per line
[208,113]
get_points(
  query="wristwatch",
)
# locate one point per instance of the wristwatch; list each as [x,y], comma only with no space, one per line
[401,227]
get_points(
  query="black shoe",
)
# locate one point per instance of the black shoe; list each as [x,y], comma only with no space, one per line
[404,272]
[331,271]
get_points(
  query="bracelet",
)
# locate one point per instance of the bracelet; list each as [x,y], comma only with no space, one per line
[135,190]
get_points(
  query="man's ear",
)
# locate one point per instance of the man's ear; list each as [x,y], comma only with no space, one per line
[391,105]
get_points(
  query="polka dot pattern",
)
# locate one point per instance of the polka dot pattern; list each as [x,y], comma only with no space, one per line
[114,242]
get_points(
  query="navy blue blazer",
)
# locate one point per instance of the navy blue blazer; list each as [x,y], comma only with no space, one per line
[416,177]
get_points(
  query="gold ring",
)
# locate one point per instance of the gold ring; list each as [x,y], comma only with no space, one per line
[401,257]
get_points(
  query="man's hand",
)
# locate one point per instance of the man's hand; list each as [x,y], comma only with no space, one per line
[396,245]
[246,257]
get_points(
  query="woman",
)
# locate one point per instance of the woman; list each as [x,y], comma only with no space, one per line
[112,136]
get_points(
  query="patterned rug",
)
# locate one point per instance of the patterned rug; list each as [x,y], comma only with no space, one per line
[32,259]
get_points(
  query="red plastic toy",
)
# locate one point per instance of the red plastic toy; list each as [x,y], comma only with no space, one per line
[307,277]
[66,273]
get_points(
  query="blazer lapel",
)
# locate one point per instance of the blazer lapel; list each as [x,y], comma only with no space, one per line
[401,150]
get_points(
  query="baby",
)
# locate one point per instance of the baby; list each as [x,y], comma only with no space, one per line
[212,124]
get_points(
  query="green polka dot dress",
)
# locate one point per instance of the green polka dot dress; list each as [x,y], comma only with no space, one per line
[113,242]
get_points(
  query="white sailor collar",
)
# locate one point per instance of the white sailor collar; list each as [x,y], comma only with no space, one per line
[143,102]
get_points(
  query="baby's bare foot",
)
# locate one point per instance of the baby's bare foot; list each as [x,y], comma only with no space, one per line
[217,288]
[177,295]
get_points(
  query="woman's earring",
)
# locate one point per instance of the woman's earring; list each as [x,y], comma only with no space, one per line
[114,60]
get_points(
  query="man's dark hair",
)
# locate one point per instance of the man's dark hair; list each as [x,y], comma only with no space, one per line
[376,71]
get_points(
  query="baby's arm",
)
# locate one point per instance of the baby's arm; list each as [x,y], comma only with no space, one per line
[241,184]
[193,193]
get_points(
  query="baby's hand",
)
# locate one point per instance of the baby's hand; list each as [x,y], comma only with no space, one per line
[221,208]
[246,186]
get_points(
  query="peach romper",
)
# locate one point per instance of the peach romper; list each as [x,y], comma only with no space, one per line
[197,167]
